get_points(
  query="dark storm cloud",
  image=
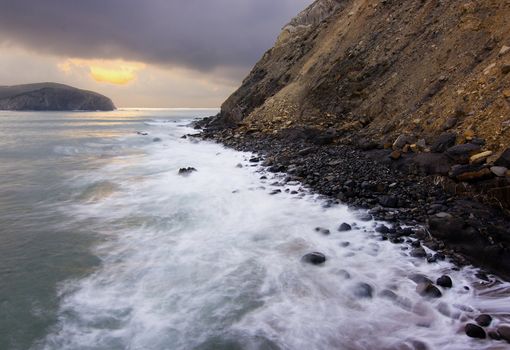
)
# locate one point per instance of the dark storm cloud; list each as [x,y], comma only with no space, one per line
[199,34]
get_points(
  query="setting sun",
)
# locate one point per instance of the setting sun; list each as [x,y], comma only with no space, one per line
[117,72]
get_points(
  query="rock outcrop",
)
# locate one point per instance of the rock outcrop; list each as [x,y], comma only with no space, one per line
[374,69]
[51,97]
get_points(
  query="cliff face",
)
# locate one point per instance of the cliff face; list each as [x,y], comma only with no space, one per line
[51,97]
[375,69]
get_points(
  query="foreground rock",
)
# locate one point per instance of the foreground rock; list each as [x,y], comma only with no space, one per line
[475,331]
[52,97]
[314,258]
[186,171]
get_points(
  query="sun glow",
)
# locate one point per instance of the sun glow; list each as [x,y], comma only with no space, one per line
[118,72]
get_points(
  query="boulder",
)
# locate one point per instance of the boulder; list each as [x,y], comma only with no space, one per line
[363,290]
[388,201]
[314,258]
[403,140]
[484,320]
[443,142]
[428,290]
[475,331]
[445,282]
[344,227]
[432,163]
[186,171]
[504,332]
[504,159]
[418,252]
[462,153]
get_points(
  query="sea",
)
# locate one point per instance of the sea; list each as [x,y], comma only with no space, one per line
[104,245]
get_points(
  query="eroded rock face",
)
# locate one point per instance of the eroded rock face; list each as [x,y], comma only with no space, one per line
[365,69]
[51,97]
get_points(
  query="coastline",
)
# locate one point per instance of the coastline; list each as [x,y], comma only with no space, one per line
[452,224]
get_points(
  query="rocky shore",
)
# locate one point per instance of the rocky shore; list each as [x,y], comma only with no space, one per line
[398,185]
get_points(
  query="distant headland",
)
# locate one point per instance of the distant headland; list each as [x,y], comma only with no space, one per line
[52,97]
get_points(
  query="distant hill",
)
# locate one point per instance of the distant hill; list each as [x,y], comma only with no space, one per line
[51,97]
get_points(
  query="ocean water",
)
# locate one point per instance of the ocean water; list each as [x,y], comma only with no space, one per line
[104,246]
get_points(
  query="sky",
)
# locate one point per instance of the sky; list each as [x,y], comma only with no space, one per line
[140,53]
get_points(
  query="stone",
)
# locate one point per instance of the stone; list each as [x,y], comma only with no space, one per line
[363,290]
[418,252]
[388,201]
[186,171]
[480,157]
[504,50]
[419,278]
[382,229]
[506,93]
[462,153]
[445,282]
[504,332]
[504,159]
[479,175]
[450,123]
[322,230]
[474,331]
[499,171]
[505,69]
[344,227]
[428,290]
[395,155]
[314,258]
[484,320]
[156,139]
[402,140]
[443,142]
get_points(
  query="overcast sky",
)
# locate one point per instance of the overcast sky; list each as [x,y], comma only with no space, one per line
[142,53]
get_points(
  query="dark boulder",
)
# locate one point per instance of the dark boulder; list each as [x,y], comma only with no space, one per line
[445,282]
[418,253]
[388,201]
[363,290]
[443,142]
[504,159]
[314,258]
[432,163]
[186,171]
[475,331]
[428,290]
[419,278]
[484,320]
[504,332]
[344,227]
[462,153]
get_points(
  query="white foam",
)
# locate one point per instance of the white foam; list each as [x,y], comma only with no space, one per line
[212,259]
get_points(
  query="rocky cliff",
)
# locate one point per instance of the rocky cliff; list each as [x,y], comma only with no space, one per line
[51,97]
[375,69]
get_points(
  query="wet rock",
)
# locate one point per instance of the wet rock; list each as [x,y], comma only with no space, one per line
[142,133]
[272,193]
[504,159]
[156,139]
[388,294]
[388,201]
[474,331]
[484,320]
[365,217]
[344,227]
[443,142]
[448,124]
[419,278]
[445,282]
[462,153]
[186,171]
[504,332]
[499,171]
[363,290]
[428,290]
[254,160]
[314,258]
[382,229]
[494,335]
[324,231]
[418,253]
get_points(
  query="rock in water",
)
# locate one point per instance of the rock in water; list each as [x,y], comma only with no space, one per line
[504,332]
[52,97]
[186,171]
[314,258]
[345,227]
[475,331]
[444,281]
[484,320]
[428,290]
[363,290]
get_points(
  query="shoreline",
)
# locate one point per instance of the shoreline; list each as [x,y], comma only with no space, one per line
[455,226]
